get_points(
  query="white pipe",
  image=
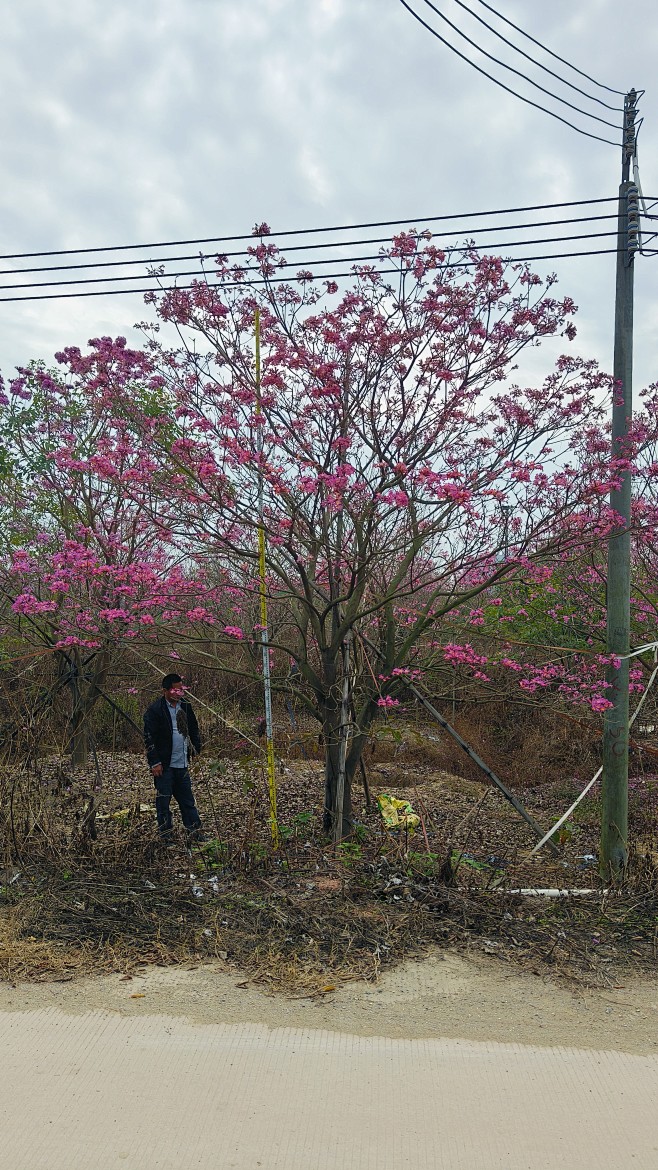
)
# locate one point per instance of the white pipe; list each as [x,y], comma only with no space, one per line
[555,893]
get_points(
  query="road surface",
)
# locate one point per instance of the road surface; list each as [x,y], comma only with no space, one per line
[443,1065]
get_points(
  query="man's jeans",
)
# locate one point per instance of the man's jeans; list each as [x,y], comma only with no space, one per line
[175,782]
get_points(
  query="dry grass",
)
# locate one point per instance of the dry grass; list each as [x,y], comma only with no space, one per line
[300,919]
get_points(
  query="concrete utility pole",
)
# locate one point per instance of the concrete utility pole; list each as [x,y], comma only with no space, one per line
[614,811]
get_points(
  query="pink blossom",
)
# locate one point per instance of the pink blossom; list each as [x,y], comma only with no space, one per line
[29,606]
[399,499]
[234,632]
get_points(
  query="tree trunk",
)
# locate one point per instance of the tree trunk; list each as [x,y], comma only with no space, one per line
[331,733]
[82,685]
[331,725]
[79,738]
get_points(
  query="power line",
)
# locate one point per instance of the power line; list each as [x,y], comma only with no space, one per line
[517,72]
[289,280]
[534,60]
[96,264]
[501,84]
[303,263]
[550,52]
[254,236]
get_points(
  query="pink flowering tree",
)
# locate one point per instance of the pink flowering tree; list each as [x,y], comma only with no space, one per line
[89,570]
[405,479]
[546,632]
[406,485]
[548,627]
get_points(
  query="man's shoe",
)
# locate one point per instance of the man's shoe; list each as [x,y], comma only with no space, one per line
[197,835]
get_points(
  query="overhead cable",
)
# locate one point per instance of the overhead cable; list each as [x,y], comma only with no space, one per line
[508,227]
[302,264]
[290,279]
[272,235]
[558,77]
[501,84]
[517,72]
[550,52]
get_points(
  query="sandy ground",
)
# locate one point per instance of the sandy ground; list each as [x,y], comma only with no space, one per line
[445,1064]
[440,996]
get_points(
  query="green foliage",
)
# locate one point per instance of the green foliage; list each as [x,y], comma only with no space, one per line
[349,852]
[536,613]
[215,853]
[301,822]
[565,833]
[258,851]
[458,859]
[246,765]
[422,863]
[385,733]
[218,767]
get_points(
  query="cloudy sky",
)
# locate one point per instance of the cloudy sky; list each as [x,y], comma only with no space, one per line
[126,121]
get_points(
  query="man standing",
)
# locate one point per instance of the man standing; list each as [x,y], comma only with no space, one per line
[171,732]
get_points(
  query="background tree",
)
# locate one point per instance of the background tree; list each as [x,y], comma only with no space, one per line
[88,567]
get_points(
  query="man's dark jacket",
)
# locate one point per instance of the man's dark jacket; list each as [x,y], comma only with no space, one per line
[158,736]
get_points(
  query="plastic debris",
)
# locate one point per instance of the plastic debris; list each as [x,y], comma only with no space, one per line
[397,814]
[197,888]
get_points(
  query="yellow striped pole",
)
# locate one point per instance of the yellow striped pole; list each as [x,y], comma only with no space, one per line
[267,680]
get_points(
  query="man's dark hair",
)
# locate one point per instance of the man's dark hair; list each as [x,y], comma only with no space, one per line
[169,680]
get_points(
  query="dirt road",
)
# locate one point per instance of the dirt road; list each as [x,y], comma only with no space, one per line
[443,1064]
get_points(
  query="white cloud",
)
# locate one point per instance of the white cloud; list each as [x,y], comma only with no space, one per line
[140,120]
[315,176]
